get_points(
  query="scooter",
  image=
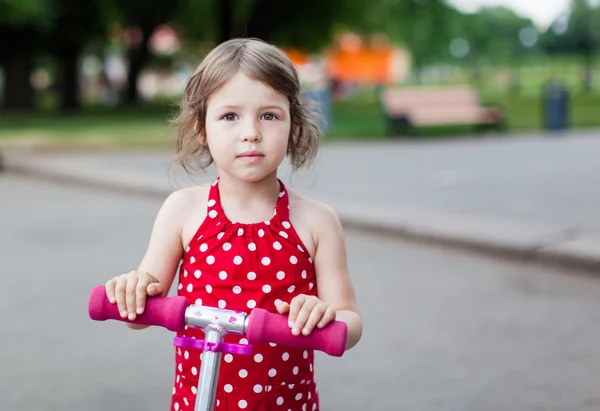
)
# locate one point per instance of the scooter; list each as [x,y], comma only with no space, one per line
[175,314]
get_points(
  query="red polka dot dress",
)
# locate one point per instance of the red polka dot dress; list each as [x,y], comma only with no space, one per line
[241,266]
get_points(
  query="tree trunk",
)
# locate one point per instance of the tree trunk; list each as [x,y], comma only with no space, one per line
[69,80]
[138,57]
[225,19]
[18,65]
[261,21]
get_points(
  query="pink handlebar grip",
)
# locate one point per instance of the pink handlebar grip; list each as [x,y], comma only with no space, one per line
[167,312]
[264,326]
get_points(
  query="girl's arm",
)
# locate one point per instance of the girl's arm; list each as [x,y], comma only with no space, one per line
[333,279]
[165,250]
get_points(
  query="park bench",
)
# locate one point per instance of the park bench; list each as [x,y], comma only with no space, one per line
[407,108]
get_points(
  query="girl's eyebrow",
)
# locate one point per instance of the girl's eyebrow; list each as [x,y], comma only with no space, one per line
[236,107]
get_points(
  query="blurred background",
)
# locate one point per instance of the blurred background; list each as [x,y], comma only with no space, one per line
[453,126]
[128,60]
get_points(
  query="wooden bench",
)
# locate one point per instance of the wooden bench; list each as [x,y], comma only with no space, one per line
[409,107]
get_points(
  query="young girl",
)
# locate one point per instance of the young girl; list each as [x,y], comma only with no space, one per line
[245,240]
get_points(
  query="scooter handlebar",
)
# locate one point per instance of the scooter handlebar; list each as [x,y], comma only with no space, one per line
[263,326]
[167,312]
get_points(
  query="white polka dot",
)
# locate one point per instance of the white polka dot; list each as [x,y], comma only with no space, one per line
[194,370]
[280,401]
[280,275]
[222,275]
[303,274]
[291,386]
[265,261]
[228,358]
[258,388]
[180,367]
[285,356]
[180,286]
[311,368]
[283,234]
[295,370]
[174,390]
[268,388]
[179,351]
[251,276]
[277,245]
[291,289]
[186,354]
[243,341]
[293,259]
[218,402]
[309,395]
[273,344]
[252,247]
[190,288]
[176,405]
[310,260]
[204,247]
[314,407]
[300,249]
[237,289]
[240,231]
[198,301]
[251,304]
[298,396]
[281,193]
[226,246]
[228,388]
[304,407]
[186,401]
[243,373]
[258,358]
[222,303]
[237,260]
[261,232]
[208,288]
[220,235]
[192,260]
[178,378]
[212,214]
[310,286]
[272,372]
[185,273]
[211,202]
[267,222]
[266,288]
[194,390]
[305,354]
[242,404]
[197,273]
[277,302]
[210,259]
[286,224]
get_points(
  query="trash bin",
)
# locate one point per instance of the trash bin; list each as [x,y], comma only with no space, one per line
[320,100]
[556,107]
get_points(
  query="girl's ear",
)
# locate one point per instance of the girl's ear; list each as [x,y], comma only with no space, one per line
[201,134]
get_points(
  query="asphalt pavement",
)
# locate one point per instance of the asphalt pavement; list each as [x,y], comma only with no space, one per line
[444,330]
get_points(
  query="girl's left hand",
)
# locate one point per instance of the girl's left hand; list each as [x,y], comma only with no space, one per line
[306,312]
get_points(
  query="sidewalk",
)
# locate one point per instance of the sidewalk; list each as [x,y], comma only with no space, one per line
[553,242]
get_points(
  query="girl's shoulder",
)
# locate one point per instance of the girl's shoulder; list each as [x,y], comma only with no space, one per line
[188,207]
[312,219]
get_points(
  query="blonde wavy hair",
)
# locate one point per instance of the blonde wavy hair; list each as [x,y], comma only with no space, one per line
[260,61]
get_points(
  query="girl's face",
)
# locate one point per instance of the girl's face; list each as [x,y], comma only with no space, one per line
[247,128]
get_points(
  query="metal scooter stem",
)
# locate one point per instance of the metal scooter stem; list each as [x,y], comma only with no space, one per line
[209,370]
[216,323]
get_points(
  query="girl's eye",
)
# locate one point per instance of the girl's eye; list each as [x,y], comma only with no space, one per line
[269,116]
[229,117]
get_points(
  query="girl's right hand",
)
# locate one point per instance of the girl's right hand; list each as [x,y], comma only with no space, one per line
[129,292]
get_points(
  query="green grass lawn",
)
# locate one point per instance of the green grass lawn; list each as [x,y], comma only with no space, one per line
[359,118]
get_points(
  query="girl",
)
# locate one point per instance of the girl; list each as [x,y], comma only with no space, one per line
[246,241]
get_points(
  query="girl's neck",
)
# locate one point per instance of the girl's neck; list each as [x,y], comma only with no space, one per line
[248,202]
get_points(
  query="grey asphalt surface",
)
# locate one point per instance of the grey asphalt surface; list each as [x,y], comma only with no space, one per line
[443,330]
[535,179]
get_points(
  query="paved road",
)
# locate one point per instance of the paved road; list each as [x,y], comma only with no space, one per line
[444,331]
[551,180]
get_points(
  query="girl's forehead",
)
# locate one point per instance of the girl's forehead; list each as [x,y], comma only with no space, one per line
[241,89]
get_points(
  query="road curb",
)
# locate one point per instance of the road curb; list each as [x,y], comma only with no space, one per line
[559,246]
